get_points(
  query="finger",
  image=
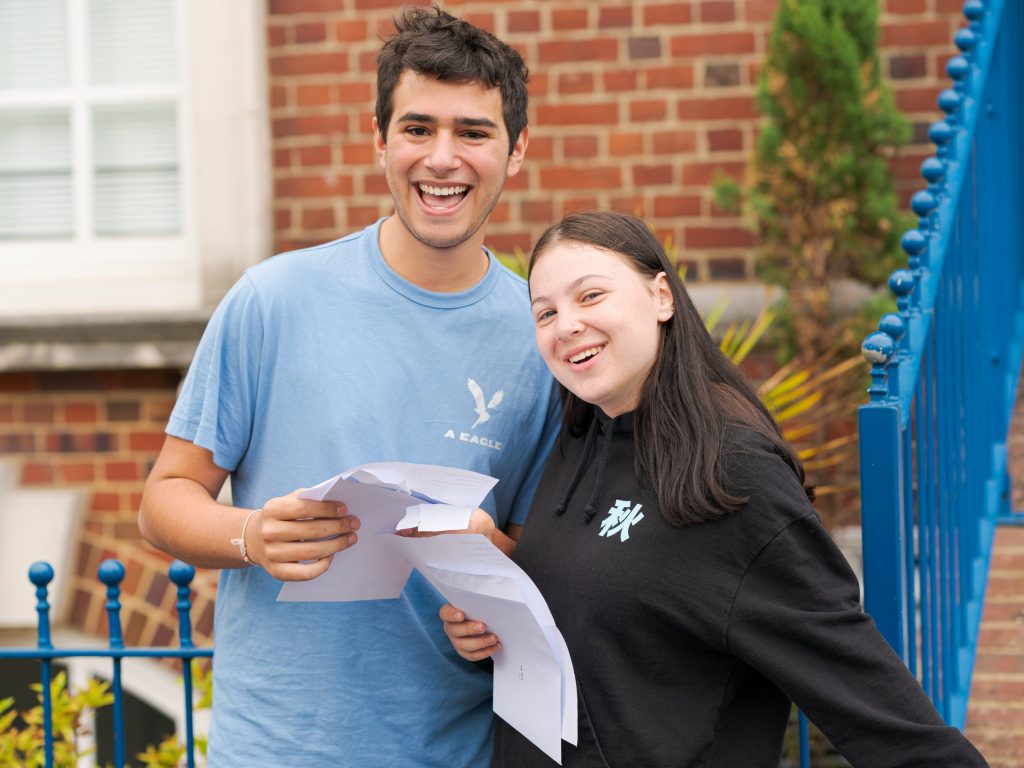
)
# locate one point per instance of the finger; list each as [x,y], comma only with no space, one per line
[298,571]
[293,552]
[309,530]
[449,612]
[291,507]
[482,654]
[474,644]
[459,629]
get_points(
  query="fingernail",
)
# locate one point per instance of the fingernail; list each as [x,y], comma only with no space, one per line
[478,628]
[340,511]
[355,523]
[460,617]
[352,539]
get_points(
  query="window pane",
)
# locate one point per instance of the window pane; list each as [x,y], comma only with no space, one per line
[132,42]
[35,174]
[135,149]
[33,44]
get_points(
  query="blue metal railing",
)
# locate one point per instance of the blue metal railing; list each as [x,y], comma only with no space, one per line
[944,371]
[111,573]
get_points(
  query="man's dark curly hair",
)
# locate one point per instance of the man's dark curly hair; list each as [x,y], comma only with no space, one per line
[433,43]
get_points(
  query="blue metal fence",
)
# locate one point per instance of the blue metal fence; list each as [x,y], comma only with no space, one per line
[933,437]
[111,573]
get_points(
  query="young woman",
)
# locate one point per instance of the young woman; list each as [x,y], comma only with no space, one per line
[674,541]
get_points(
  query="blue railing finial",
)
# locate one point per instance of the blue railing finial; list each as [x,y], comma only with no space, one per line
[933,170]
[949,102]
[915,245]
[878,349]
[901,283]
[940,132]
[182,574]
[965,39]
[892,325]
[40,573]
[958,67]
[973,12]
[111,573]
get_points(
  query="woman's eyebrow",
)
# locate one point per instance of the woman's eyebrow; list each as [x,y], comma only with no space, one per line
[571,287]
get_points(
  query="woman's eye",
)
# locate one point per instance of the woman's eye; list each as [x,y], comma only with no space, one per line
[591,295]
[547,314]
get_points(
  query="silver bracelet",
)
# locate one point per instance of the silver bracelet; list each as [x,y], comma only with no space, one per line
[240,541]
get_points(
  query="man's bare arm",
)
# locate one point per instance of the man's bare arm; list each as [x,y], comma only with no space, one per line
[181,516]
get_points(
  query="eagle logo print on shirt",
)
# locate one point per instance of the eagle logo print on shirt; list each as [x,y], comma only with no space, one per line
[620,518]
[483,411]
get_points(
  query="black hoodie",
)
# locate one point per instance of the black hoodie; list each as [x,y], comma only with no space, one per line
[689,643]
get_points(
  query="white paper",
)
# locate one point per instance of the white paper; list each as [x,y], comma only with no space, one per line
[535,693]
[374,493]
[534,683]
[434,518]
[527,676]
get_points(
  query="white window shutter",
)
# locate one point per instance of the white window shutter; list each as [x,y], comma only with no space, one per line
[136,175]
[132,42]
[35,174]
[34,50]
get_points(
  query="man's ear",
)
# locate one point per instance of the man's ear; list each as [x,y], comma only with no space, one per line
[378,143]
[663,293]
[515,160]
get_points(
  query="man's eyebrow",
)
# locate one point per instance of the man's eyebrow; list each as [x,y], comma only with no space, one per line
[415,117]
[465,122]
[475,122]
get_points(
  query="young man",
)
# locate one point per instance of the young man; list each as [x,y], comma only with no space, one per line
[404,342]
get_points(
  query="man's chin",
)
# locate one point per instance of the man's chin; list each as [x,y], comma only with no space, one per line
[442,240]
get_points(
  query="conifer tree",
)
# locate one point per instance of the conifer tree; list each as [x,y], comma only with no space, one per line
[820,190]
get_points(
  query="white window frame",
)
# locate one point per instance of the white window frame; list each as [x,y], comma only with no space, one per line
[224,166]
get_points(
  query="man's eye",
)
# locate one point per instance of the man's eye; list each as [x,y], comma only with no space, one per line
[416,130]
[475,135]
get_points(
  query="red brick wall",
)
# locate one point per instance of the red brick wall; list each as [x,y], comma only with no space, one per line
[633,106]
[96,430]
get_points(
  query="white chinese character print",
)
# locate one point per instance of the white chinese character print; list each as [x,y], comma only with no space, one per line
[620,518]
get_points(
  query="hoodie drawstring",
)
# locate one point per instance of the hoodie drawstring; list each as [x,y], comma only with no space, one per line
[602,462]
[581,468]
[588,448]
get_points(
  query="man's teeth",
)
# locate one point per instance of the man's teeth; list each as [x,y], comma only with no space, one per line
[579,357]
[442,191]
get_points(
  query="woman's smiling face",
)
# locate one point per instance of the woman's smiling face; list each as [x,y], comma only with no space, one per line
[598,322]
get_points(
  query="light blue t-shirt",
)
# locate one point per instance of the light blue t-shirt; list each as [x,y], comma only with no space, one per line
[316,361]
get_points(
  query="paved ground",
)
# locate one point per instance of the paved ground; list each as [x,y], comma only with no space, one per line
[995,719]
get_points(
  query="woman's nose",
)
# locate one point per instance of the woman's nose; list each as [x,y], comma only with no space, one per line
[568,325]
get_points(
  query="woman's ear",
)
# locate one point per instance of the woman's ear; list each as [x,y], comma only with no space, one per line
[663,293]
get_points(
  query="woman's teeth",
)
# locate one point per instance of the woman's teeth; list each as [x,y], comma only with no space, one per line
[579,357]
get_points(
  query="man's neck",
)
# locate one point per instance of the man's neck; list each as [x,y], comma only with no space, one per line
[442,270]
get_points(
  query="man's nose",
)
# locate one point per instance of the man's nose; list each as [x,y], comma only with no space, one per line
[444,155]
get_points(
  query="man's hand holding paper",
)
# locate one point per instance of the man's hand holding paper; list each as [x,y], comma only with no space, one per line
[295,539]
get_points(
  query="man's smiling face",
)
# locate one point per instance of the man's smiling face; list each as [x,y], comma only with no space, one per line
[446,157]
